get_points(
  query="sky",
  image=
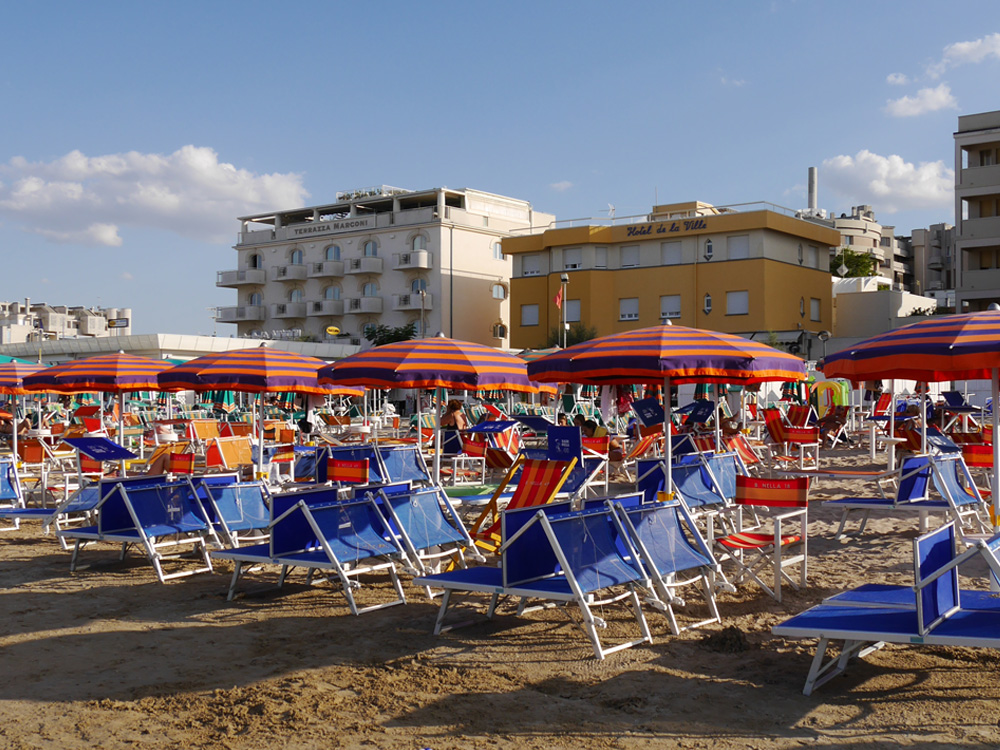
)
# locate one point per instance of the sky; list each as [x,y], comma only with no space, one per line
[134,134]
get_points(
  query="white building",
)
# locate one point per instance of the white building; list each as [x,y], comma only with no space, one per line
[378,256]
[23,321]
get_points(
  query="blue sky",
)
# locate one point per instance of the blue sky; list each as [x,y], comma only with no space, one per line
[135,133]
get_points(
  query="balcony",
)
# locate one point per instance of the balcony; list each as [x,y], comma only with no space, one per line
[981,229]
[938,262]
[240,314]
[326,307]
[326,269]
[979,177]
[415,259]
[363,306]
[363,265]
[295,272]
[412,302]
[248,276]
[289,310]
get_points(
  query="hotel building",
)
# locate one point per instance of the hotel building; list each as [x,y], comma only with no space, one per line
[754,270]
[378,256]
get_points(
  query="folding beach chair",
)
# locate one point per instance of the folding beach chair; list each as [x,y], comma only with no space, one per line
[777,550]
[539,481]
[240,512]
[639,449]
[800,415]
[674,554]
[953,481]
[804,440]
[10,493]
[158,519]
[403,463]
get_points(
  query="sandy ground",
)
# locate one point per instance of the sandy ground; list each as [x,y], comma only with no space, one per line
[109,657]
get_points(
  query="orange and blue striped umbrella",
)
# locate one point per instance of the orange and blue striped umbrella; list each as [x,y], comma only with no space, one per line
[431,363]
[677,353]
[256,370]
[105,373]
[12,375]
[942,347]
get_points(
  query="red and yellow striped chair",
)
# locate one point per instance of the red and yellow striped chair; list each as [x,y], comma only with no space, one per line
[754,551]
[344,472]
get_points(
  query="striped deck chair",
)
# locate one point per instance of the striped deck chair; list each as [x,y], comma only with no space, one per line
[778,550]
[230,453]
[639,449]
[800,415]
[979,458]
[345,472]
[805,440]
[539,482]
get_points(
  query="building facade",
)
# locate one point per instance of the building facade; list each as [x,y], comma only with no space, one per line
[752,271]
[378,256]
[25,322]
[893,255]
[977,211]
[934,263]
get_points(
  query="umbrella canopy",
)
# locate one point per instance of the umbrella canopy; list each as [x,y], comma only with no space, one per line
[684,355]
[105,373]
[12,375]
[431,363]
[530,355]
[255,370]
[943,347]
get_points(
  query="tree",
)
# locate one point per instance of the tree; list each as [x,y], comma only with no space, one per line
[577,332]
[857,264]
[382,334]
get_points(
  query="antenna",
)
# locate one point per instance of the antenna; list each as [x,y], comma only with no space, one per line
[611,211]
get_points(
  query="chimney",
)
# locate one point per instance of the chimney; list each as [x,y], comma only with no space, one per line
[813,198]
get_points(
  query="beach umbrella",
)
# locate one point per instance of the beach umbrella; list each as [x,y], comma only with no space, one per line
[942,347]
[670,355]
[257,370]
[12,375]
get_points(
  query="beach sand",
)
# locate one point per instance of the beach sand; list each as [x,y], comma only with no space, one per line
[110,657]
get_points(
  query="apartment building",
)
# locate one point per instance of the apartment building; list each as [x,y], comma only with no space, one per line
[23,321]
[754,270]
[934,261]
[977,211]
[378,256]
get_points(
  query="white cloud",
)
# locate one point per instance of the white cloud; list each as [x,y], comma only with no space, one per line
[737,82]
[966,52]
[87,200]
[561,187]
[926,100]
[126,276]
[897,79]
[888,183]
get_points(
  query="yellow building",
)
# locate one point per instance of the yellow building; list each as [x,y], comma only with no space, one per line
[745,271]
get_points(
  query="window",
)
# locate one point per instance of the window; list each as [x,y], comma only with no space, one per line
[630,256]
[670,306]
[707,304]
[738,247]
[814,309]
[295,257]
[499,291]
[738,303]
[369,329]
[709,249]
[331,292]
[572,310]
[572,258]
[801,254]
[628,308]
[254,261]
[371,249]
[848,240]
[499,331]
[531,265]
[985,259]
[986,158]
[813,256]
[295,295]
[600,257]
[255,298]
[419,243]
[802,307]
[418,285]
[987,207]
[498,251]
[418,328]
[370,289]
[529,315]
[333,252]
[670,253]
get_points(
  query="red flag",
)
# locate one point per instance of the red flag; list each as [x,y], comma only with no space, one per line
[558,298]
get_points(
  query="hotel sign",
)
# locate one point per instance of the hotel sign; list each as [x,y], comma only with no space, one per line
[686,225]
[330,227]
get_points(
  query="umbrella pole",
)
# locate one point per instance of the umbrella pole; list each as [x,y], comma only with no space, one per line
[892,424]
[121,430]
[13,431]
[924,409]
[668,447]
[718,419]
[995,417]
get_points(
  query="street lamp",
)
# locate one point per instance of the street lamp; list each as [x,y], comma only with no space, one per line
[565,326]
[423,330]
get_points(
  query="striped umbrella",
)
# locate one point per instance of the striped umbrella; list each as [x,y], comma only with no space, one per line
[670,355]
[12,375]
[942,347]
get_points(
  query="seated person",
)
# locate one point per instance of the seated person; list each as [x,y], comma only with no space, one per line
[831,423]
[453,418]
[591,429]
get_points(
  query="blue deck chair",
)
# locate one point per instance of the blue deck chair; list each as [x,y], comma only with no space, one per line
[674,554]
[159,519]
[11,497]
[345,539]
[911,496]
[932,612]
[240,512]
[403,463]
[427,528]
[954,483]
[376,472]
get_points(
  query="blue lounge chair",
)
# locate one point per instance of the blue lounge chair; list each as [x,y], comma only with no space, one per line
[159,519]
[238,511]
[403,463]
[933,612]
[11,498]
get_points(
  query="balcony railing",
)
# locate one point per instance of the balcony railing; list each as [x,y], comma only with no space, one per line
[363,265]
[363,305]
[248,276]
[326,307]
[292,272]
[326,269]
[414,259]
[289,310]
[240,313]
[411,301]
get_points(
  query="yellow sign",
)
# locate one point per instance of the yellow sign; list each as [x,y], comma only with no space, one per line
[332,330]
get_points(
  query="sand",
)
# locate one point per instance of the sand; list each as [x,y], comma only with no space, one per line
[109,657]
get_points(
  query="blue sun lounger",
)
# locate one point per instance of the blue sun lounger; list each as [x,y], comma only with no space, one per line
[934,612]
[238,511]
